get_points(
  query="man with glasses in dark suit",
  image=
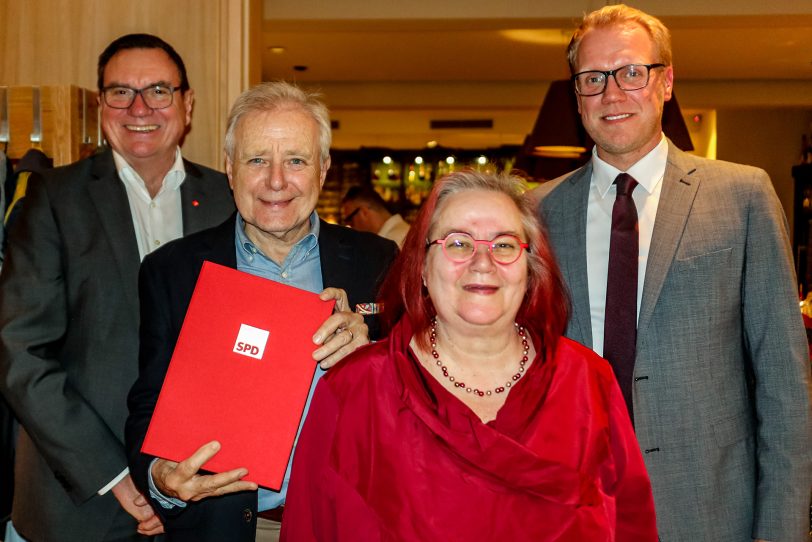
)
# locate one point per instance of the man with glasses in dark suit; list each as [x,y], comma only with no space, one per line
[69,299]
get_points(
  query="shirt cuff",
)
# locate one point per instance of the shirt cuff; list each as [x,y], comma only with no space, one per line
[165,502]
[114,481]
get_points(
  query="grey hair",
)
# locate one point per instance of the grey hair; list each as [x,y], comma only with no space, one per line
[513,187]
[280,95]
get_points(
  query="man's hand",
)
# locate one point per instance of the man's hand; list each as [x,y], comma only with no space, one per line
[135,504]
[341,333]
[181,480]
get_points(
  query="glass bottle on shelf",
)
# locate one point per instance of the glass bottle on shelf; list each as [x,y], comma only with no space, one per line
[386,179]
[418,181]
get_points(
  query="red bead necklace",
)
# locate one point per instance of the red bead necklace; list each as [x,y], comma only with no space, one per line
[457,384]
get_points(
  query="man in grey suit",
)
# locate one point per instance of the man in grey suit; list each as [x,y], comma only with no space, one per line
[718,376]
[69,299]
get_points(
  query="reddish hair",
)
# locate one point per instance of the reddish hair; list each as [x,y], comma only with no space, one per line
[545,307]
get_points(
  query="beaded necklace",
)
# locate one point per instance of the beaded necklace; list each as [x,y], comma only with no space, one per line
[457,384]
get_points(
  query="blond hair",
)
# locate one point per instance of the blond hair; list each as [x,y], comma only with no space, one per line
[622,15]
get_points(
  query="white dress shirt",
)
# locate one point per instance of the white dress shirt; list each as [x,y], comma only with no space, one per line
[156,220]
[395,228]
[648,172]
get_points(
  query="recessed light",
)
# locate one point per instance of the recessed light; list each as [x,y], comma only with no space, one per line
[276,49]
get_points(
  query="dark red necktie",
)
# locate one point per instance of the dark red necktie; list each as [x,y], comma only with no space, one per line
[620,323]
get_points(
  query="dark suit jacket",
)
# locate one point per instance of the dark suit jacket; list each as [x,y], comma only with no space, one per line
[721,378]
[69,338]
[352,260]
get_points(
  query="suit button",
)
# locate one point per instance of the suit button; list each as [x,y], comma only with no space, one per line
[247,515]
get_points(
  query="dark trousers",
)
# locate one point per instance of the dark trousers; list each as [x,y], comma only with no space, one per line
[8,435]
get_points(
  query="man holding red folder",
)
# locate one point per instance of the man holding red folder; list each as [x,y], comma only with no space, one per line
[277,156]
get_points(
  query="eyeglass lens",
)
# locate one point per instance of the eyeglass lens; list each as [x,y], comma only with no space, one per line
[631,77]
[460,247]
[155,97]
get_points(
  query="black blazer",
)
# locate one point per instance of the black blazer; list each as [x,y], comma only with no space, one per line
[352,260]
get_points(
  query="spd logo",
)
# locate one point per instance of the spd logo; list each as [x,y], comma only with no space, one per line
[251,341]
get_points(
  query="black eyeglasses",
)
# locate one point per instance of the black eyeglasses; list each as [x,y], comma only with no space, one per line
[461,247]
[154,96]
[349,217]
[631,77]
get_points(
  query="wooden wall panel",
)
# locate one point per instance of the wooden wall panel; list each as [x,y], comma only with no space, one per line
[57,42]
[68,129]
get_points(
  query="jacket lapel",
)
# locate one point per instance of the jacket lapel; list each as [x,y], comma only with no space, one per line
[568,233]
[680,185]
[195,200]
[220,245]
[336,258]
[109,197]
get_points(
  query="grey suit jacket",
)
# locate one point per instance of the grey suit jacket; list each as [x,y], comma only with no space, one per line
[721,378]
[69,339]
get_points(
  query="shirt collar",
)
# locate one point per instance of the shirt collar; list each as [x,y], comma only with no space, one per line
[172,180]
[305,244]
[648,171]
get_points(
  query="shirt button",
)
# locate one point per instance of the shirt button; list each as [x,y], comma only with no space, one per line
[152,204]
[284,274]
[246,515]
[157,243]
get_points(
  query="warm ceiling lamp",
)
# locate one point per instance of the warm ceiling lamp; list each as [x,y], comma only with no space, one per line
[558,132]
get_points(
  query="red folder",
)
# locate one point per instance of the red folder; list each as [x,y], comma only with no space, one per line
[240,374]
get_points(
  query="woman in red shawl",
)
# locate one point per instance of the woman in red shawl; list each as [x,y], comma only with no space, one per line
[475,420]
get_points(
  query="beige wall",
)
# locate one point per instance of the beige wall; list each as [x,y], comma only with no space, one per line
[57,42]
[769,138]
[486,9]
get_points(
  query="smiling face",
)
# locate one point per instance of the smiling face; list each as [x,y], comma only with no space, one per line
[625,125]
[479,292]
[140,134]
[276,174]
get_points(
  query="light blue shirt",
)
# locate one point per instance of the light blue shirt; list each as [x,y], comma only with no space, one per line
[301,269]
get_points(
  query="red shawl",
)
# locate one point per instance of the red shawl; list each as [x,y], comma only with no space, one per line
[387,453]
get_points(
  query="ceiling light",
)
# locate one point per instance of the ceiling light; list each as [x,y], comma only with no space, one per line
[539,36]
